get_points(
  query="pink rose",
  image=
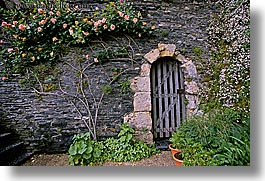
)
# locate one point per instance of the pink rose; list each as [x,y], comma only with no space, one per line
[39,29]
[64,25]
[54,39]
[22,27]
[105,27]
[96,24]
[42,22]
[15,22]
[50,13]
[112,27]
[121,14]
[96,60]
[71,31]
[135,20]
[53,20]
[9,50]
[104,20]
[99,22]
[87,56]
[126,17]
[40,11]
[85,33]
[58,13]
[4,23]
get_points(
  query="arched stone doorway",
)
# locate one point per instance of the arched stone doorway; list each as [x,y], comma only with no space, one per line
[142,118]
[167,97]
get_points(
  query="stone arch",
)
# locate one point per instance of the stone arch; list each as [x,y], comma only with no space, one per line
[141,118]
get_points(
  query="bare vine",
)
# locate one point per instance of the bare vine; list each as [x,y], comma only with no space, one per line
[85,102]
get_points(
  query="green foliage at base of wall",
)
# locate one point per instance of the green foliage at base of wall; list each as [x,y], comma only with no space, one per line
[220,138]
[87,152]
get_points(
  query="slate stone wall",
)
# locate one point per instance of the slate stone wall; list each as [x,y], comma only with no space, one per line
[48,124]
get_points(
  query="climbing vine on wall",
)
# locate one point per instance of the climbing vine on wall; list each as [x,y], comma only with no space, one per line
[43,34]
[229,66]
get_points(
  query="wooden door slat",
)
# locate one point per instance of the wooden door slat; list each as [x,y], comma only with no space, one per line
[166,108]
[171,93]
[160,80]
[178,97]
[154,103]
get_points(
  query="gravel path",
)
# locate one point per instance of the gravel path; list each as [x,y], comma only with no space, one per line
[161,159]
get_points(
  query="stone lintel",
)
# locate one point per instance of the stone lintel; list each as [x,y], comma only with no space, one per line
[167,47]
[152,56]
[181,58]
[166,53]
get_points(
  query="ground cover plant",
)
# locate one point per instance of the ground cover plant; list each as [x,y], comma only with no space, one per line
[86,151]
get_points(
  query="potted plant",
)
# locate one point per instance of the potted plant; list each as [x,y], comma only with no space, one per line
[173,144]
[175,149]
[178,158]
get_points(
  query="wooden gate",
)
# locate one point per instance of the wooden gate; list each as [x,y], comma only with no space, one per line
[168,108]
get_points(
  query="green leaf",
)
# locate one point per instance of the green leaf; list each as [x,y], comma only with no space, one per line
[89,149]
[97,153]
[82,149]
[73,150]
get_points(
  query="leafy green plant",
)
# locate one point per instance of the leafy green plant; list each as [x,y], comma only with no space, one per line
[106,54]
[84,151]
[217,138]
[106,89]
[126,148]
[124,86]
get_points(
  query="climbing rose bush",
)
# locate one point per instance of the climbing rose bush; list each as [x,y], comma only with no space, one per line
[42,36]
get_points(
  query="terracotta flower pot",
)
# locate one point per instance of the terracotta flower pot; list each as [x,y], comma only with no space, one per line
[173,150]
[175,153]
[177,157]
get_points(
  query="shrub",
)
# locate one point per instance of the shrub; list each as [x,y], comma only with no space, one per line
[219,138]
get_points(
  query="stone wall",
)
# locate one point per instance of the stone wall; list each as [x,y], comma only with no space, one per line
[48,124]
